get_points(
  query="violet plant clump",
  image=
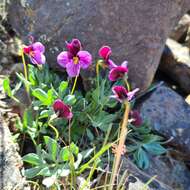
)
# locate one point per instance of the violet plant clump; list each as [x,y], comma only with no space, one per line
[71,131]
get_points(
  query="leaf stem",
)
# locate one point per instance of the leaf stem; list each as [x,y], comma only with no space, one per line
[123,134]
[74,85]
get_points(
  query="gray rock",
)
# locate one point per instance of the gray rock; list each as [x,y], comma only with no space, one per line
[10,161]
[138,177]
[136,30]
[180,31]
[169,114]
[170,174]
[175,63]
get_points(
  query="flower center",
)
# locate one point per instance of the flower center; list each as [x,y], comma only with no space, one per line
[75,60]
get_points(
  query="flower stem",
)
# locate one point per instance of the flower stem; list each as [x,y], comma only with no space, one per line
[25,74]
[69,132]
[98,75]
[54,129]
[123,134]
[74,85]
[24,64]
[127,84]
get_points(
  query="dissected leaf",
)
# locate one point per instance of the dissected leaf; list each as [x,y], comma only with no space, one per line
[141,158]
[155,148]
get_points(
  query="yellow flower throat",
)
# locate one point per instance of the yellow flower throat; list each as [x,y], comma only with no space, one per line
[75,60]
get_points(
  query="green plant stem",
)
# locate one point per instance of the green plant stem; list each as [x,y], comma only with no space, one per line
[71,163]
[127,84]
[74,85]
[15,99]
[54,129]
[25,75]
[97,68]
[98,75]
[24,64]
[69,132]
[25,69]
[123,134]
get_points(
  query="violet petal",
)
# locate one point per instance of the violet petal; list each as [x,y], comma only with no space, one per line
[37,58]
[117,72]
[38,46]
[63,59]
[105,52]
[85,59]
[73,70]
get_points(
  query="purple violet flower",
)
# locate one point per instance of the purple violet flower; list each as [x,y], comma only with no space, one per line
[136,118]
[122,94]
[35,51]
[62,110]
[118,71]
[74,58]
[105,52]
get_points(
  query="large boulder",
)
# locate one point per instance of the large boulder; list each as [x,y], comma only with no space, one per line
[179,33]
[136,30]
[175,63]
[170,174]
[169,114]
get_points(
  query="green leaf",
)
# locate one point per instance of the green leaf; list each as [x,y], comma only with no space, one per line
[45,114]
[19,124]
[70,100]
[79,160]
[103,120]
[89,134]
[32,77]
[150,138]
[141,158]
[6,87]
[51,96]
[27,119]
[155,148]
[22,78]
[32,158]
[62,87]
[64,154]
[95,157]
[32,172]
[45,171]
[41,95]
[132,148]
[52,147]
[87,153]
[17,87]
[74,148]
